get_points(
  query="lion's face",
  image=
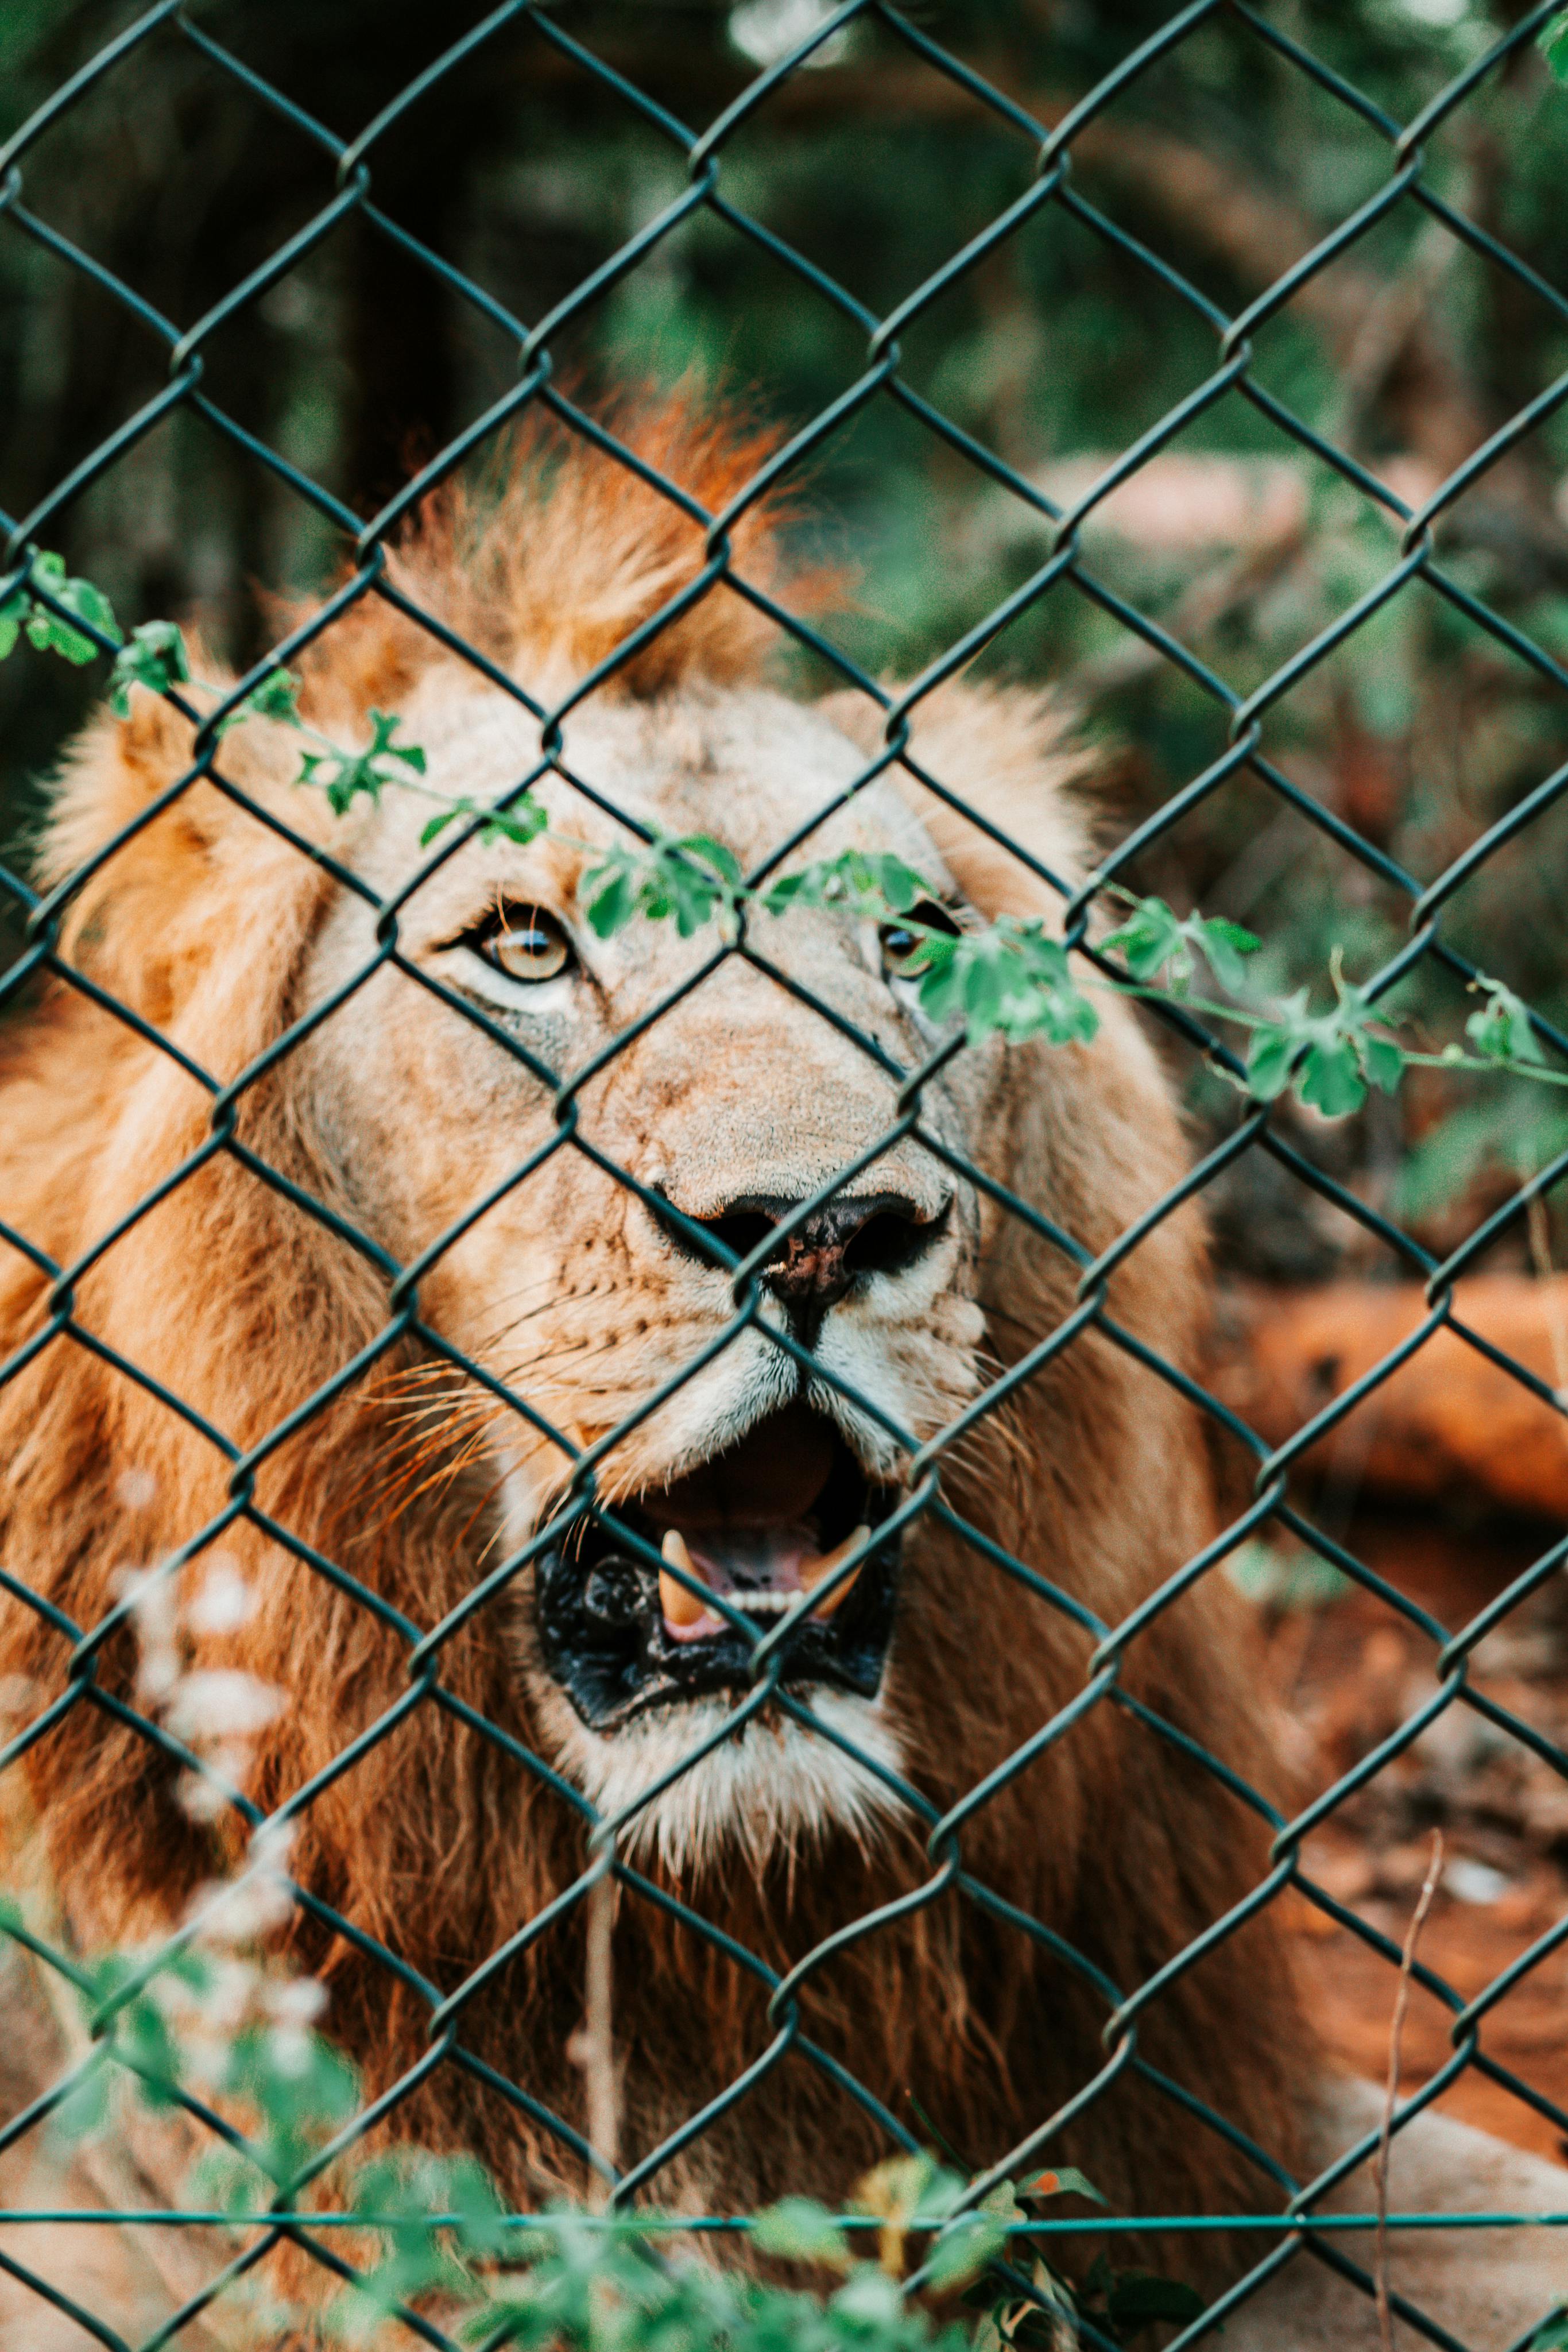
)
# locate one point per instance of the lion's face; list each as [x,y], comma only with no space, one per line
[759,1468]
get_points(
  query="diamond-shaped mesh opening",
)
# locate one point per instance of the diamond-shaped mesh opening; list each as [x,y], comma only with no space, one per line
[1211,359]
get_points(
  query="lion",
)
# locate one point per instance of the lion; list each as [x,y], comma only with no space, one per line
[373,1216]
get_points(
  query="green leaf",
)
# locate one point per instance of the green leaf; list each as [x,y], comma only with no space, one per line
[1552,2335]
[520,825]
[402,2194]
[1503,1030]
[1553,44]
[963,2248]
[780,895]
[143,2040]
[724,861]
[869,2299]
[153,655]
[91,606]
[867,882]
[1149,939]
[467,2190]
[902,888]
[1384,1062]
[302,2088]
[1331,1080]
[799,2229]
[344,776]
[276,697]
[522,822]
[228,2179]
[610,899]
[1065,2181]
[383,728]
[52,633]
[938,2194]
[1002,2202]
[692,900]
[1276,1578]
[1519,1132]
[1225,944]
[1330,1058]
[1269,1060]
[1011,978]
[84,2110]
[11,618]
[690,879]
[1154,937]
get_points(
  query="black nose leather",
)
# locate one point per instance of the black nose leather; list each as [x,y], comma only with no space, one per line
[818,1260]
[817,1263]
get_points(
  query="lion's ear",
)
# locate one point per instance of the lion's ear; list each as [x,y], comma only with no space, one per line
[1010,752]
[177,894]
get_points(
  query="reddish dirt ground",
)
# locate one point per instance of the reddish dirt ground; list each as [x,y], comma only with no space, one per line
[1346,1672]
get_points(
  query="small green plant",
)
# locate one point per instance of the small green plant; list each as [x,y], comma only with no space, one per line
[25,615]
[212,2017]
[155,655]
[1156,943]
[1329,1057]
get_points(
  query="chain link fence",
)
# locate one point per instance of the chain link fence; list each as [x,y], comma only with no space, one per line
[173,35]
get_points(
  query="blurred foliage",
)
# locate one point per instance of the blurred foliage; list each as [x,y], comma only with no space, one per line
[1057,351]
[212,2023]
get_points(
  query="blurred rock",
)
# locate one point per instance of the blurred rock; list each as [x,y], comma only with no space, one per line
[1448,1424]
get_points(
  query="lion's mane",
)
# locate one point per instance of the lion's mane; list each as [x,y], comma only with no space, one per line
[161,1335]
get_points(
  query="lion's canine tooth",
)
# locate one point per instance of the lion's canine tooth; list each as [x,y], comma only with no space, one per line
[680,1607]
[813,1573]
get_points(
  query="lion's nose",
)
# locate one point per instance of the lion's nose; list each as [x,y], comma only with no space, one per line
[818,1261]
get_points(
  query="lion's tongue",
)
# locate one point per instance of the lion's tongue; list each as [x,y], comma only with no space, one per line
[741,1560]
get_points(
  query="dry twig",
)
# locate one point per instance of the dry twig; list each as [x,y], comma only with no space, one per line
[592,2047]
[1397,2032]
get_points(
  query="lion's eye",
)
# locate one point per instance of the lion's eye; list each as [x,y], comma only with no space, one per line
[905,949]
[525,942]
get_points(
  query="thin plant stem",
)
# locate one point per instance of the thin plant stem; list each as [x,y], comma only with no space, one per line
[1391,2096]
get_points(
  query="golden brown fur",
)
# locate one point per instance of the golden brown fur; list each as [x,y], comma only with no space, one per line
[242,1304]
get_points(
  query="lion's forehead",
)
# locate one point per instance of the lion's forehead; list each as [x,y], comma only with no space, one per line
[749,767]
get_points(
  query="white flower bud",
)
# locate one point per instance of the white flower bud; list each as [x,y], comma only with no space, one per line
[137,1489]
[223,1703]
[294,2002]
[290,2049]
[224,1601]
[19,1694]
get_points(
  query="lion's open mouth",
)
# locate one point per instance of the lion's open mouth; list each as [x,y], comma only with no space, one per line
[761,1523]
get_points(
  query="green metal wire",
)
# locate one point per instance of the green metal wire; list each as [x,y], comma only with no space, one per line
[703,154]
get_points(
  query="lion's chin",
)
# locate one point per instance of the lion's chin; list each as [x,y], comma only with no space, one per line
[778,1787]
[761,1523]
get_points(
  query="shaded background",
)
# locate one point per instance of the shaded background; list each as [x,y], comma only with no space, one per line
[1057,351]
